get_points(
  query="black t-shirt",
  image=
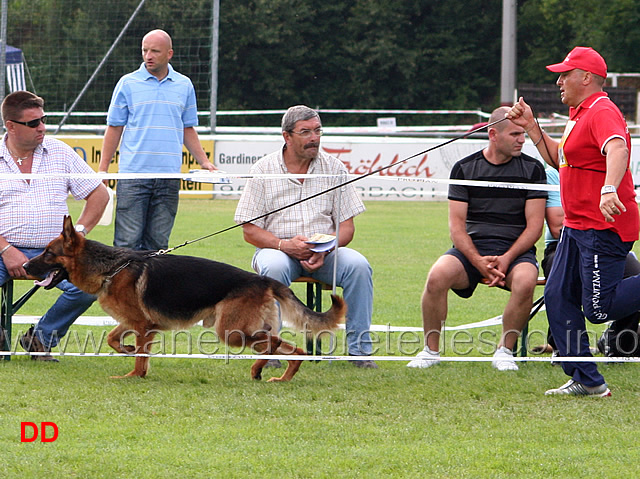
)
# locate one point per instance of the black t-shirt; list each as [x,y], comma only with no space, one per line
[496,212]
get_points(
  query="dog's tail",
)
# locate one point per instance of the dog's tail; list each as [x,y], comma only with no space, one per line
[296,313]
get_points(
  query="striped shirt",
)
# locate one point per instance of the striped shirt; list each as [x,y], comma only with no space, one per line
[31,214]
[263,195]
[154,114]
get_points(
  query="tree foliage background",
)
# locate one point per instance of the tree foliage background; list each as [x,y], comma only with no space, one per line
[415,54]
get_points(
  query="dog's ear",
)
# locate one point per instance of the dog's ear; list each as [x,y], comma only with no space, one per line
[69,233]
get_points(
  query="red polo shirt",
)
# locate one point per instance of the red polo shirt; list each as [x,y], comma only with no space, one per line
[592,124]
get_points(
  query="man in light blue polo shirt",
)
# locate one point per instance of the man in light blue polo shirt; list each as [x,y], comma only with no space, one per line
[153,111]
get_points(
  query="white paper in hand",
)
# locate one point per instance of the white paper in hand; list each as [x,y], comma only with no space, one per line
[107,216]
[322,242]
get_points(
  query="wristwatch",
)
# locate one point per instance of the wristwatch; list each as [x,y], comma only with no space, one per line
[607,189]
[81,229]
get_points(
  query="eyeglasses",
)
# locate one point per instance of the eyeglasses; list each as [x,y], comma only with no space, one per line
[308,133]
[32,123]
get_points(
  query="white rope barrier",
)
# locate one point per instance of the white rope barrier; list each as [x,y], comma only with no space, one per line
[285,357]
[224,178]
[381,328]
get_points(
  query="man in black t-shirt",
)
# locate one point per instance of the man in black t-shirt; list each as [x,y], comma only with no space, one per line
[494,231]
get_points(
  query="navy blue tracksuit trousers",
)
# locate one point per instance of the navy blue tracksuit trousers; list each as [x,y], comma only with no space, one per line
[586,281]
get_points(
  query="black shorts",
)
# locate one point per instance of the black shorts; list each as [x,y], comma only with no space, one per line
[488,248]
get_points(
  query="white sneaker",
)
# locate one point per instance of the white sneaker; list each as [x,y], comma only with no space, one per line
[574,388]
[425,359]
[503,360]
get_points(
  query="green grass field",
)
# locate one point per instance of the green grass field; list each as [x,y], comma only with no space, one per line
[202,418]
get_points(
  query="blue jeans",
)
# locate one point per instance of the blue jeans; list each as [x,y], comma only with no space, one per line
[354,276]
[145,212]
[69,306]
[586,281]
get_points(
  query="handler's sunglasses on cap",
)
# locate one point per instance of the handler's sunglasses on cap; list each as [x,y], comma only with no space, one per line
[308,133]
[32,123]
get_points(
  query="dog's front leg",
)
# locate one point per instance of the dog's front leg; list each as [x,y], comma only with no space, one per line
[144,341]
[116,337]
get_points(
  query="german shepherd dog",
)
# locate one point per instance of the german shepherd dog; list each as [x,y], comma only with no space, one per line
[146,293]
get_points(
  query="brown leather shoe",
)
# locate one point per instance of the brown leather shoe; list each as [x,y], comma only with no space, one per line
[44,357]
[32,344]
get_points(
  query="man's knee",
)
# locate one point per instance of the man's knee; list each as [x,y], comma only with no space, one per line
[76,294]
[273,270]
[523,289]
[273,264]
[443,276]
[360,265]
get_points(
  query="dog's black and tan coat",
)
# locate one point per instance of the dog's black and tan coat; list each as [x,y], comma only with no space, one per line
[146,293]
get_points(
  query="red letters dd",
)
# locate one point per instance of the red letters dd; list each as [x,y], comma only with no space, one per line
[34,431]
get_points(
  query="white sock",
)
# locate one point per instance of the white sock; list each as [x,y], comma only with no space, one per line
[432,353]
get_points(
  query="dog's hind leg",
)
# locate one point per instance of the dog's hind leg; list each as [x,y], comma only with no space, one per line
[292,366]
[262,343]
[256,369]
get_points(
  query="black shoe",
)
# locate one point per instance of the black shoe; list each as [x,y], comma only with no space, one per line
[31,344]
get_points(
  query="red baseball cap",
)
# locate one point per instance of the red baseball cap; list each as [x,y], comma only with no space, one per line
[584,58]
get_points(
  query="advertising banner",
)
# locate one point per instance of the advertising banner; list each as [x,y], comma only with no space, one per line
[89,148]
[423,177]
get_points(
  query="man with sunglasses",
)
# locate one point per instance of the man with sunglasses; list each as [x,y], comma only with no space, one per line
[283,252]
[32,210]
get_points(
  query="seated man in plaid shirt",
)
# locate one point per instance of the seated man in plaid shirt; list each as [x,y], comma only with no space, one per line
[281,238]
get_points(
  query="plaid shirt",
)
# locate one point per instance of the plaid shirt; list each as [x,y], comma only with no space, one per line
[31,214]
[263,195]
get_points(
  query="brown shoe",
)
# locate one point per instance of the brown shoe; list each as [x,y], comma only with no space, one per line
[30,343]
[44,357]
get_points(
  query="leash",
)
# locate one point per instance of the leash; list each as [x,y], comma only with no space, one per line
[353,180]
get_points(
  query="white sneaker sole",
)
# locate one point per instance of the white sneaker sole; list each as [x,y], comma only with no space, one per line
[422,363]
[505,366]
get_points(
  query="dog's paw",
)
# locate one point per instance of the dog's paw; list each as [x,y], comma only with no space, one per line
[132,374]
[256,372]
[277,380]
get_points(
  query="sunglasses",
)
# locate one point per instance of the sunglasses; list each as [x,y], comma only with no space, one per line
[32,123]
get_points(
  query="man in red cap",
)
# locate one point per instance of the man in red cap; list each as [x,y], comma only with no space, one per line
[601,215]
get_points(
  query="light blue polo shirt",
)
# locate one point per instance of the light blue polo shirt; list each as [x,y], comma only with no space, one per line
[553,199]
[154,115]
